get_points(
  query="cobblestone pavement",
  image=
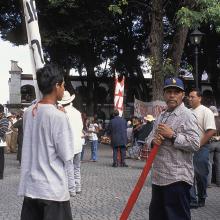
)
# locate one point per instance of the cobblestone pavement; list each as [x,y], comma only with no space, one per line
[105,191]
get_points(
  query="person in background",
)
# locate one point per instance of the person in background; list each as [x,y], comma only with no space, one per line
[177,134]
[207,129]
[47,148]
[214,151]
[118,133]
[75,120]
[129,132]
[18,125]
[145,129]
[85,134]
[93,130]
[101,116]
[4,123]
[137,125]
[8,135]
[14,135]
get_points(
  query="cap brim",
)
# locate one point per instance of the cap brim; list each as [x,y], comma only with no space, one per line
[172,86]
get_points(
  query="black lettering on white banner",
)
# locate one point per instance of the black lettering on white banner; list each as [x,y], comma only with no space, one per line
[38,49]
[32,12]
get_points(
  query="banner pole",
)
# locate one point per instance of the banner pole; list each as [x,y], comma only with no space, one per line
[34,41]
[139,185]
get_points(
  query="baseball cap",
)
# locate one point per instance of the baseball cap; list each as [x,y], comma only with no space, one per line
[173,82]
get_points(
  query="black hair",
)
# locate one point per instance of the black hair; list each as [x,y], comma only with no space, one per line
[198,92]
[1,108]
[116,112]
[47,77]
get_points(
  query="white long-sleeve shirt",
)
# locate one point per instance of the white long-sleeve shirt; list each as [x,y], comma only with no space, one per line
[75,120]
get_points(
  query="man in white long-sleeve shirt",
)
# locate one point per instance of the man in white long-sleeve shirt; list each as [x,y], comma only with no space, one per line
[75,120]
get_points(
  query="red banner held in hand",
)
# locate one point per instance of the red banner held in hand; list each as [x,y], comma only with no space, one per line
[139,185]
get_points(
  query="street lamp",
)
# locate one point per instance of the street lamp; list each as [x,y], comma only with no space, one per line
[195,39]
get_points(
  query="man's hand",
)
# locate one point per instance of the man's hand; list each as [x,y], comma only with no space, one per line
[158,139]
[165,131]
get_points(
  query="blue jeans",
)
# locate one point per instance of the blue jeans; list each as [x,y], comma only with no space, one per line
[94,149]
[201,168]
[214,158]
[115,154]
[82,153]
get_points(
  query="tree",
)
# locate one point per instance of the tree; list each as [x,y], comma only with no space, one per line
[100,36]
[84,34]
[167,46]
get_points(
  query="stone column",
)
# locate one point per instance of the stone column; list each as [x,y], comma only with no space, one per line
[15,83]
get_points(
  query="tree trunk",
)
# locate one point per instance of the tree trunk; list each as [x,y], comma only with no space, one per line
[176,48]
[156,48]
[90,89]
[68,84]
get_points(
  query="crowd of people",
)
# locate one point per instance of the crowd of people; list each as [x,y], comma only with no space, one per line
[11,128]
[52,148]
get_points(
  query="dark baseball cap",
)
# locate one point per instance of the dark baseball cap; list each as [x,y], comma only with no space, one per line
[173,82]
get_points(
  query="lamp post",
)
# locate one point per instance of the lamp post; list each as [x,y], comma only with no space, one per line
[195,39]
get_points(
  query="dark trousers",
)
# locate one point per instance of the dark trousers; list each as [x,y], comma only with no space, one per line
[39,209]
[115,154]
[201,167]
[2,162]
[171,202]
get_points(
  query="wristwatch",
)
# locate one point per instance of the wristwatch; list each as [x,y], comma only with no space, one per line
[173,138]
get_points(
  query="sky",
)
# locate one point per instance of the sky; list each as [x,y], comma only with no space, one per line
[9,52]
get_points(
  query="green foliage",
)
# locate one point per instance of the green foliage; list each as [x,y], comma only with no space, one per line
[168,68]
[117,8]
[204,11]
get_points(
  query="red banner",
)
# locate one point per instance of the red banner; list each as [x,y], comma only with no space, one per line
[119,95]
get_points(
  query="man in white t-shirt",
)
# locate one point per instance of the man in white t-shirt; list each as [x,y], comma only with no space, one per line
[47,147]
[207,129]
[75,120]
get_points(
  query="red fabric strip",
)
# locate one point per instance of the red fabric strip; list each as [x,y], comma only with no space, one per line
[139,185]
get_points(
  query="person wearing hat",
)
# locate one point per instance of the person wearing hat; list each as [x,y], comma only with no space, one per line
[146,127]
[75,120]
[177,134]
[207,129]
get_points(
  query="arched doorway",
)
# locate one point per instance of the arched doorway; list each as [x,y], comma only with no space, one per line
[27,94]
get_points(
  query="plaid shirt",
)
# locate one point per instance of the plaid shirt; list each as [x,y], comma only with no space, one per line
[174,161]
[3,128]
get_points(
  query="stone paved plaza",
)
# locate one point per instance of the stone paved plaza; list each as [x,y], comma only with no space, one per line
[104,193]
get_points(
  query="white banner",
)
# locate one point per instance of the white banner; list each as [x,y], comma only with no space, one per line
[119,94]
[141,109]
[34,40]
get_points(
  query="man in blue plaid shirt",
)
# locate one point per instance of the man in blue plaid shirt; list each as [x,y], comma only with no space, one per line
[3,129]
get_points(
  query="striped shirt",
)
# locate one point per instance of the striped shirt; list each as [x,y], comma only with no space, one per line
[3,128]
[174,161]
